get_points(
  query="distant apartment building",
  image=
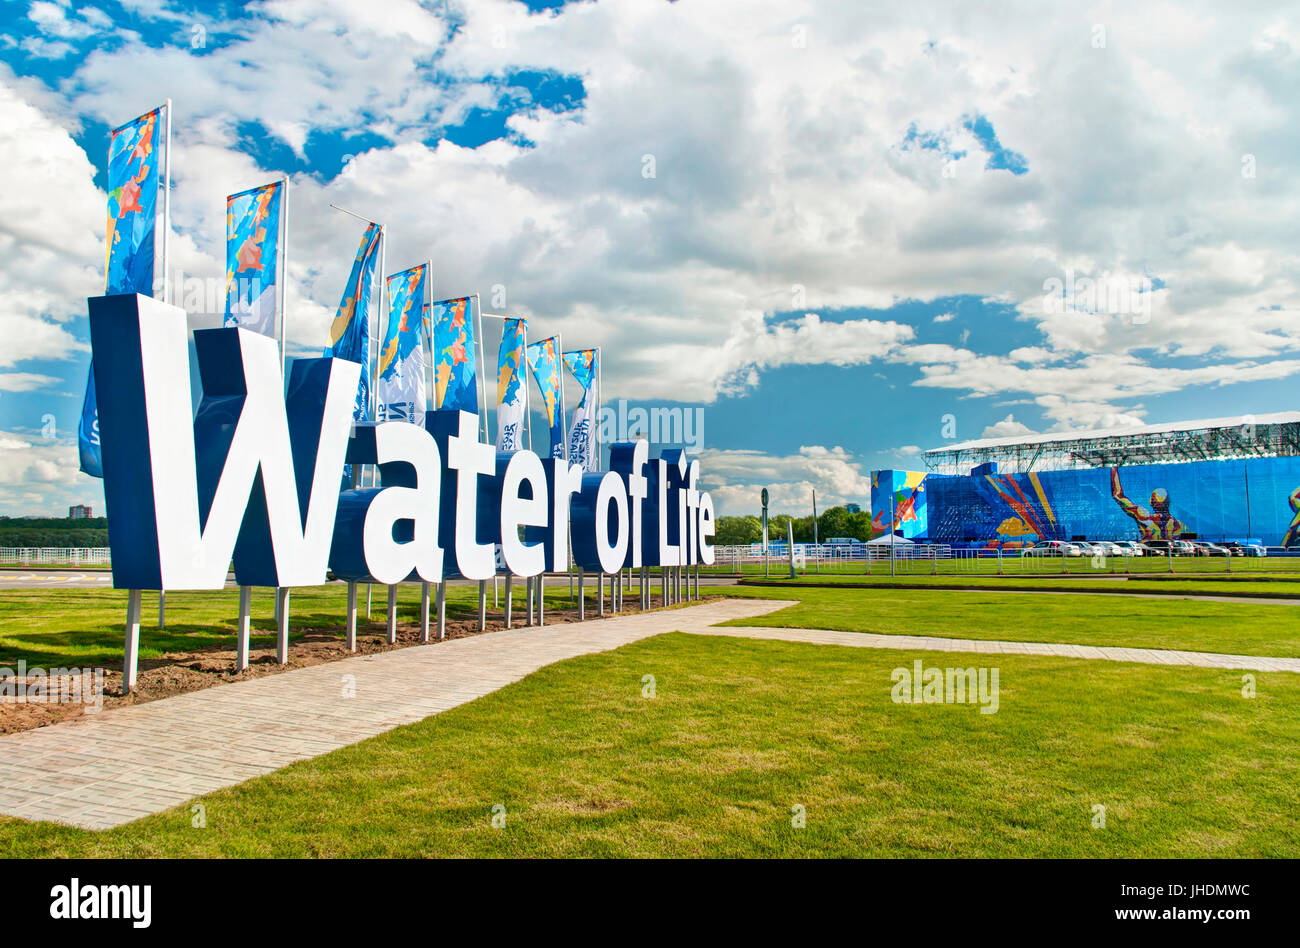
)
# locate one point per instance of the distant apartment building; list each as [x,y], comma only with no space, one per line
[80,512]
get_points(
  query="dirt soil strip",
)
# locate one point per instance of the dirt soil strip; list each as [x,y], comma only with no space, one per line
[175,673]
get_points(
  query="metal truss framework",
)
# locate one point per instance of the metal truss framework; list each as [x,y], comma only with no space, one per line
[1211,441]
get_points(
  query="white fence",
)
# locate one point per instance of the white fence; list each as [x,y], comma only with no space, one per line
[54,556]
[940,558]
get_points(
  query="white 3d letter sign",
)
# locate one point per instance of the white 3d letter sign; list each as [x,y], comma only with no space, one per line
[254,477]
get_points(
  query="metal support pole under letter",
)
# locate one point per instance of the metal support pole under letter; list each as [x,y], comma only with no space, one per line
[510,597]
[424,612]
[582,600]
[282,627]
[663,586]
[482,604]
[442,610]
[244,631]
[528,598]
[600,594]
[392,615]
[162,608]
[131,649]
[541,599]
[352,618]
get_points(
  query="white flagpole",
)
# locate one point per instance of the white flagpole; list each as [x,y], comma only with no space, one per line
[166,283]
[167,201]
[431,390]
[528,415]
[600,400]
[481,393]
[283,266]
[559,377]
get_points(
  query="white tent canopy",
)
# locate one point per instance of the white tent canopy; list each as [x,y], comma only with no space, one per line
[886,539]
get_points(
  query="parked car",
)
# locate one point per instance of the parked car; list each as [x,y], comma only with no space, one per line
[1130,548]
[1205,548]
[1054,548]
[1106,548]
[1165,547]
[1244,549]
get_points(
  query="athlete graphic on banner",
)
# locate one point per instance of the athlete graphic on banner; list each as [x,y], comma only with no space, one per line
[402,392]
[583,449]
[512,393]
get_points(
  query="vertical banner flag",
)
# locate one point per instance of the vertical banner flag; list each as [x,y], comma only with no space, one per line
[137,201]
[585,366]
[512,393]
[455,378]
[253,230]
[545,367]
[350,331]
[402,390]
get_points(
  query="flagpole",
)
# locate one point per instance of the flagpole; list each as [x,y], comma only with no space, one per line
[167,201]
[431,391]
[559,376]
[166,292]
[528,415]
[600,400]
[282,264]
[481,394]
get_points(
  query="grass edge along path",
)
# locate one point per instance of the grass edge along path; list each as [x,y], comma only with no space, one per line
[1261,627]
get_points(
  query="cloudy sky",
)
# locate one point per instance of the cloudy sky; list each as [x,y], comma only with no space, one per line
[843,231]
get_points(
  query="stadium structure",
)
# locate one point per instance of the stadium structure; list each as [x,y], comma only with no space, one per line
[1211,479]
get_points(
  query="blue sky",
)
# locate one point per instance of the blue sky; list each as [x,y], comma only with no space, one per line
[827,227]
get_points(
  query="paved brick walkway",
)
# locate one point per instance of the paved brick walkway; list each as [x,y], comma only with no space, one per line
[103,770]
[106,769]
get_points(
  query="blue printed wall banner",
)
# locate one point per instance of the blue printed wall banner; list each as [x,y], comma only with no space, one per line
[545,366]
[512,393]
[403,389]
[584,449]
[902,494]
[254,232]
[350,331]
[1256,498]
[455,373]
[135,249]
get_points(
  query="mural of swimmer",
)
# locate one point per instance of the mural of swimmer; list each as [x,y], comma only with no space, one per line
[1154,524]
[1292,537]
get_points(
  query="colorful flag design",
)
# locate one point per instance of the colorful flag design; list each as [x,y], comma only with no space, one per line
[137,185]
[583,449]
[253,223]
[350,331]
[544,365]
[402,390]
[512,393]
[455,376]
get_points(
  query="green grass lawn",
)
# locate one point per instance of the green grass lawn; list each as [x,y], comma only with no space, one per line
[1275,587]
[85,627]
[742,731]
[1195,566]
[1248,627]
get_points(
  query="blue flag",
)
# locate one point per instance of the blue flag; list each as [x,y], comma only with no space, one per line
[350,332]
[136,181]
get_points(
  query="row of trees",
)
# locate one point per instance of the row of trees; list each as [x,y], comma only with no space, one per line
[53,531]
[832,522]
